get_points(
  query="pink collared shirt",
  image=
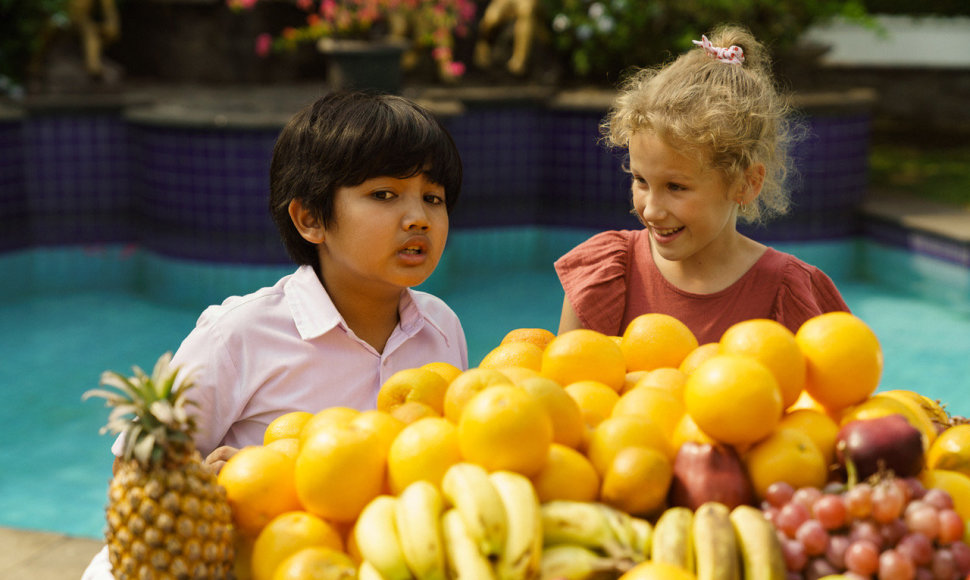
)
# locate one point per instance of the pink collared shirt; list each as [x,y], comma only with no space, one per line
[287,348]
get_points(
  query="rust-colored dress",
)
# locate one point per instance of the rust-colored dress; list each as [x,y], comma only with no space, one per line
[611,279]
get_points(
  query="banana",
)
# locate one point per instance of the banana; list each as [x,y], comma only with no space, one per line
[672,538]
[716,555]
[465,560]
[572,562]
[644,536]
[580,523]
[377,539]
[522,555]
[366,571]
[621,523]
[761,555]
[470,491]
[418,514]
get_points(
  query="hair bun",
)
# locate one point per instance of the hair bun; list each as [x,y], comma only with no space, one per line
[755,54]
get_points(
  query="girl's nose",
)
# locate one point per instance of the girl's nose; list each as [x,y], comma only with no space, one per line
[651,209]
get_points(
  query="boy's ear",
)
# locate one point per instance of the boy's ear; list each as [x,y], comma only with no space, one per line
[305,222]
[754,179]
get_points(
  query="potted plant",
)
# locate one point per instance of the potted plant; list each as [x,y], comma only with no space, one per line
[359,34]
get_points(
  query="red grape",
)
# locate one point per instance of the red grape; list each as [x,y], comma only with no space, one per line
[830,511]
[944,567]
[895,566]
[835,553]
[790,516]
[779,493]
[961,555]
[917,547]
[806,496]
[938,498]
[866,530]
[795,556]
[924,518]
[813,536]
[951,526]
[858,501]
[893,532]
[818,568]
[862,557]
[888,501]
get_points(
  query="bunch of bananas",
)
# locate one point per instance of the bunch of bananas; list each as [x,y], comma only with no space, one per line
[484,526]
[480,525]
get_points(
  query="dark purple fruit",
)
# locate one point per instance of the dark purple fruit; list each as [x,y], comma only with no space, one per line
[705,472]
[882,443]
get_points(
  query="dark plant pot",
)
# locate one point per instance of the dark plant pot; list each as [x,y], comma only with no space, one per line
[363,64]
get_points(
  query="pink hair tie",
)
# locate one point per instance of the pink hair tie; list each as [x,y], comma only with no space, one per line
[731,55]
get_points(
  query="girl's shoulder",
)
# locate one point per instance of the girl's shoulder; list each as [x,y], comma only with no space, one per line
[608,245]
[801,286]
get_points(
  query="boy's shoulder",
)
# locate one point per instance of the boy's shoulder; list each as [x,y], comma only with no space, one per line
[245,306]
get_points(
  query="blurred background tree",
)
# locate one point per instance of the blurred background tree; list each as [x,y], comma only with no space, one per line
[25,28]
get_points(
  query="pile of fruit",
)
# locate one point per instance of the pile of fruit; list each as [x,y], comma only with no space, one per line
[768,454]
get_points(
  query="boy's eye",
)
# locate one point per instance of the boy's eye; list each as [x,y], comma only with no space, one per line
[383,194]
[434,199]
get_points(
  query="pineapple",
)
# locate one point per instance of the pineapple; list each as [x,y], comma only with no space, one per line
[166,515]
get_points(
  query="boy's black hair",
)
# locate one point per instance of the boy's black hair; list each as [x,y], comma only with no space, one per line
[346,138]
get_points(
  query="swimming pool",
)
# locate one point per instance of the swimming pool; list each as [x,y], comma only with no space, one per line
[69,313]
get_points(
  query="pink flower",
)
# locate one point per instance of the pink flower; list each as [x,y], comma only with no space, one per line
[264,43]
[456,69]
[306,5]
[328,8]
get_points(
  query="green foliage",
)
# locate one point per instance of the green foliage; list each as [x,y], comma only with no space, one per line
[601,38]
[922,8]
[24,26]
[939,174]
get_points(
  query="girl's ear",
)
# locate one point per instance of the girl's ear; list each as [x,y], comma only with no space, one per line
[306,223]
[754,179]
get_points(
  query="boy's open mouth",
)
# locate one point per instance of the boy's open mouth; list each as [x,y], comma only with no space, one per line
[414,250]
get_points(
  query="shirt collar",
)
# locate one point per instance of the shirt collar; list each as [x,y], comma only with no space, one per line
[315,314]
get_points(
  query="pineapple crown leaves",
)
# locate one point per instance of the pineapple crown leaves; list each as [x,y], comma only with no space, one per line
[148,411]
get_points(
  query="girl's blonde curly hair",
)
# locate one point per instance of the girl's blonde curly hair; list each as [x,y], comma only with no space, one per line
[731,116]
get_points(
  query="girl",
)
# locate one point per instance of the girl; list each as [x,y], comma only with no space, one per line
[708,138]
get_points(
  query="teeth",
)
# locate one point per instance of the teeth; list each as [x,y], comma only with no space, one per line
[666,232]
[412,250]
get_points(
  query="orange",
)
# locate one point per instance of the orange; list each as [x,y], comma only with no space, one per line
[339,470]
[447,371]
[467,385]
[951,450]
[537,336]
[259,487]
[786,455]
[657,571]
[595,400]
[516,375]
[734,399]
[656,340]
[637,481]
[844,359]
[953,482]
[631,379]
[773,345]
[665,378]
[568,427]
[386,425]
[424,450]
[617,433]
[687,430]
[582,354]
[316,563]
[504,427]
[286,425]
[697,356]
[661,407]
[822,429]
[419,384]
[411,411]
[805,401]
[513,354]
[327,418]
[567,474]
[289,446]
[286,535]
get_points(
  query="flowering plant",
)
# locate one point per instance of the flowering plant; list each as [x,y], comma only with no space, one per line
[430,24]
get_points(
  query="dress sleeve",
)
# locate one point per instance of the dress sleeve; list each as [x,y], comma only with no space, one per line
[593,276]
[805,292]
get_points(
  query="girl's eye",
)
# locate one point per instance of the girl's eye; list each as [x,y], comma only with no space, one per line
[676,187]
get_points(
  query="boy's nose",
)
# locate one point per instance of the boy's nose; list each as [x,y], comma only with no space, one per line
[416,217]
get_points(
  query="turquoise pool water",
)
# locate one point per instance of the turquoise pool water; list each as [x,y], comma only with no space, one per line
[69,313]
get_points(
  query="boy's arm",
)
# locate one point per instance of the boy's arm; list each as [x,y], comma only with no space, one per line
[568,320]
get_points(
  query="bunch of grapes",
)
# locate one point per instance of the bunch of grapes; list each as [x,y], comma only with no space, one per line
[890,529]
